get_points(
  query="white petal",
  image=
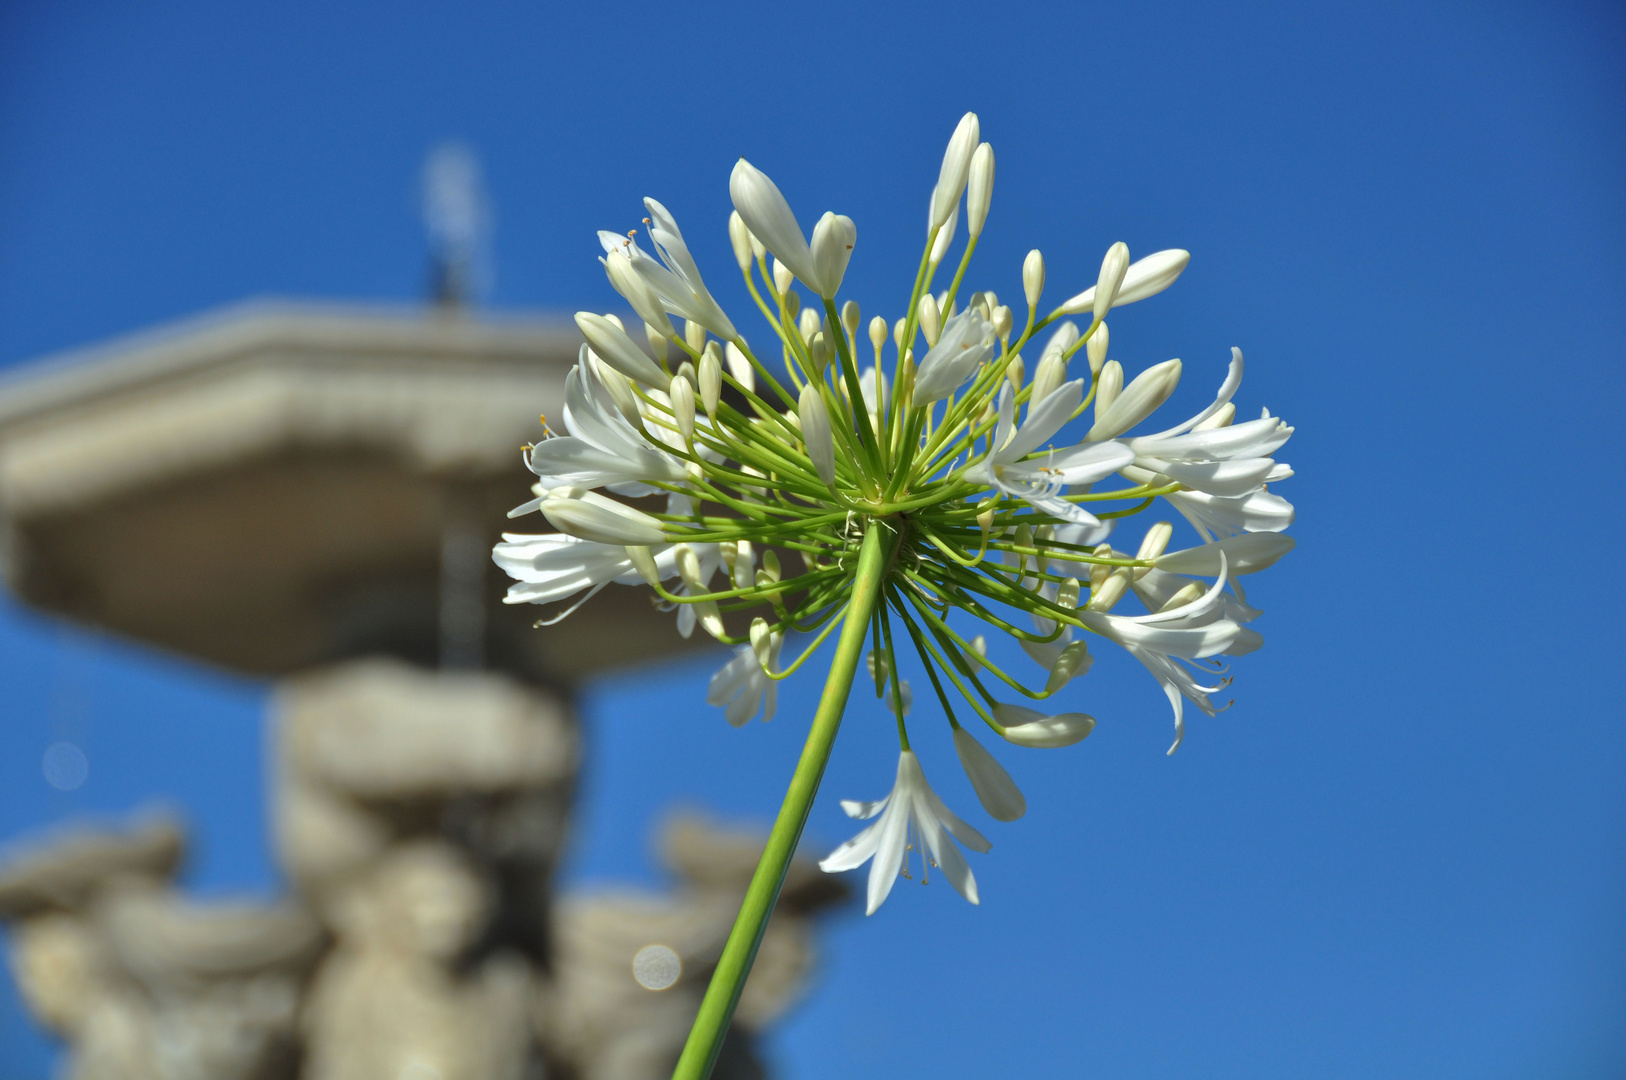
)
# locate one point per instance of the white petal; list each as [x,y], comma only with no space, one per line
[1245,554]
[1044,420]
[995,789]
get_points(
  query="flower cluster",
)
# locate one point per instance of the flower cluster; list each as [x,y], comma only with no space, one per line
[775,464]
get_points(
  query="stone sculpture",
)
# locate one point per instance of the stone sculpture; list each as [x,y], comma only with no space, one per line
[139,982]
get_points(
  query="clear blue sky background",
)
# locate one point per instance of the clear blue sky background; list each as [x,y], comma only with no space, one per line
[1402,853]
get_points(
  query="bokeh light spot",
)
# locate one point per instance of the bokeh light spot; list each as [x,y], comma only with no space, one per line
[65,766]
[656,967]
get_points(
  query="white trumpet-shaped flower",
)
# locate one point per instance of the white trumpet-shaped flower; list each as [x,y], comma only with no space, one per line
[551,567]
[602,449]
[743,689]
[1190,631]
[1039,480]
[967,342]
[912,807]
[1223,467]
[556,566]
[676,278]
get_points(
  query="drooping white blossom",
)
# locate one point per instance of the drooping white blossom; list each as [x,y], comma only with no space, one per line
[911,808]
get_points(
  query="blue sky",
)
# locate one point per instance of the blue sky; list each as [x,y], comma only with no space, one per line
[1401,854]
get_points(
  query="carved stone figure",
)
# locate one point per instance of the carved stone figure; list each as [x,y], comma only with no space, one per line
[610,1021]
[141,983]
[392,1001]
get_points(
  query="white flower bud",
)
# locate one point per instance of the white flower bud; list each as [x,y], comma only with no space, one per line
[793,303]
[945,237]
[615,321]
[1099,571]
[682,393]
[762,642]
[615,348]
[1150,389]
[1096,348]
[1052,373]
[686,371]
[951,177]
[877,334]
[1062,340]
[1042,536]
[768,217]
[739,366]
[770,567]
[818,347]
[695,335]
[740,237]
[815,424]
[1184,596]
[643,561]
[1156,541]
[588,515]
[897,333]
[1033,277]
[782,277]
[1075,660]
[980,192]
[1113,268]
[619,386]
[744,566]
[1025,727]
[931,323]
[850,318]
[658,342]
[1145,277]
[995,789]
[975,655]
[833,240]
[1105,597]
[1014,371]
[1108,387]
[1067,595]
[711,378]
[1003,321]
[1221,419]
[809,323]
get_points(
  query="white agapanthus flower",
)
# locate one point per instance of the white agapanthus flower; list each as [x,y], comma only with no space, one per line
[925,497]
[743,688]
[912,808]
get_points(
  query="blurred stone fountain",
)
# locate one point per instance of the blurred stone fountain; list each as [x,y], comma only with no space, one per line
[310,493]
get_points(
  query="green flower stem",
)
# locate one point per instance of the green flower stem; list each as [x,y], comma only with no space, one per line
[723,994]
